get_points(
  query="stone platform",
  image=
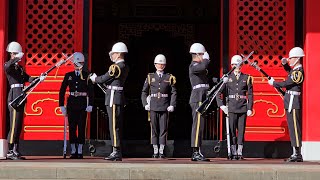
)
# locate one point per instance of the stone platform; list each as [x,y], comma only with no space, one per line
[49,167]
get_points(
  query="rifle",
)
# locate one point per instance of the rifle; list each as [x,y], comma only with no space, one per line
[23,96]
[104,88]
[255,65]
[212,93]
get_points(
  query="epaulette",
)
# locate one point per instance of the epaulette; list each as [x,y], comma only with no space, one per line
[172,79]
[249,80]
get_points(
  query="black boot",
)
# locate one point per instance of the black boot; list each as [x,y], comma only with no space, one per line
[155,155]
[13,153]
[297,157]
[115,155]
[74,154]
[234,155]
[80,153]
[197,156]
[239,152]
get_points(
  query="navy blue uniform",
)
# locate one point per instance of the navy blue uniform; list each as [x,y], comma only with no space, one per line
[240,100]
[16,77]
[81,96]
[114,99]
[292,102]
[163,94]
[199,82]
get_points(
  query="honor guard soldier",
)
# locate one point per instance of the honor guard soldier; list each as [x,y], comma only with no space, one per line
[159,97]
[199,82]
[114,100]
[238,90]
[16,77]
[80,101]
[292,99]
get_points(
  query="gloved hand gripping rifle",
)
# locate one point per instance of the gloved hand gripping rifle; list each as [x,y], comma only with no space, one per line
[255,65]
[26,90]
[212,93]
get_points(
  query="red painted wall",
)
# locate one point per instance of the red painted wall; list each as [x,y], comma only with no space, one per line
[267,28]
[311,63]
[3,81]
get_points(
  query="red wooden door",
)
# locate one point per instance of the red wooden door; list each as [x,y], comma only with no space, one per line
[266,27]
[46,29]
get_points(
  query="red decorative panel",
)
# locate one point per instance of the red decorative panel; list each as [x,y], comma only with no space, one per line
[267,28]
[47,28]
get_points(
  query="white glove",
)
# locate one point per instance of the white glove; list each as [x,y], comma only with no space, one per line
[225,79]
[206,56]
[224,109]
[170,109]
[249,113]
[89,109]
[19,55]
[284,61]
[148,99]
[93,77]
[63,110]
[270,81]
[42,77]
[147,107]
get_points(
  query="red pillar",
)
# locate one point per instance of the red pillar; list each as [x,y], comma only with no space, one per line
[3,82]
[311,95]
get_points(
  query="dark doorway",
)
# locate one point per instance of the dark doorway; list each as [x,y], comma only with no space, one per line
[150,28]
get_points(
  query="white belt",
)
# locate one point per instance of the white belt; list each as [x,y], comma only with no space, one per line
[75,94]
[117,88]
[159,95]
[296,93]
[237,96]
[16,85]
[200,86]
[292,94]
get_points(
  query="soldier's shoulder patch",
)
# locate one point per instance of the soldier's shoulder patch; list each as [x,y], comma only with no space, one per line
[297,77]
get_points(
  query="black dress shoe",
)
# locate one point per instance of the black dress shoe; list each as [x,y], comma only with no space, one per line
[295,158]
[234,157]
[155,155]
[73,156]
[114,156]
[80,156]
[11,155]
[196,156]
[161,156]
[240,157]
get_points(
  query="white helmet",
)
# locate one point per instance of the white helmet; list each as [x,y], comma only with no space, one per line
[160,59]
[119,47]
[78,57]
[197,48]
[236,59]
[296,52]
[14,47]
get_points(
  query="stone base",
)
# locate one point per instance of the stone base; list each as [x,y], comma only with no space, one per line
[174,148]
[311,150]
[3,148]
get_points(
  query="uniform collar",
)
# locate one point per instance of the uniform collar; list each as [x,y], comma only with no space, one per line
[158,72]
[236,74]
[77,72]
[119,61]
[296,67]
